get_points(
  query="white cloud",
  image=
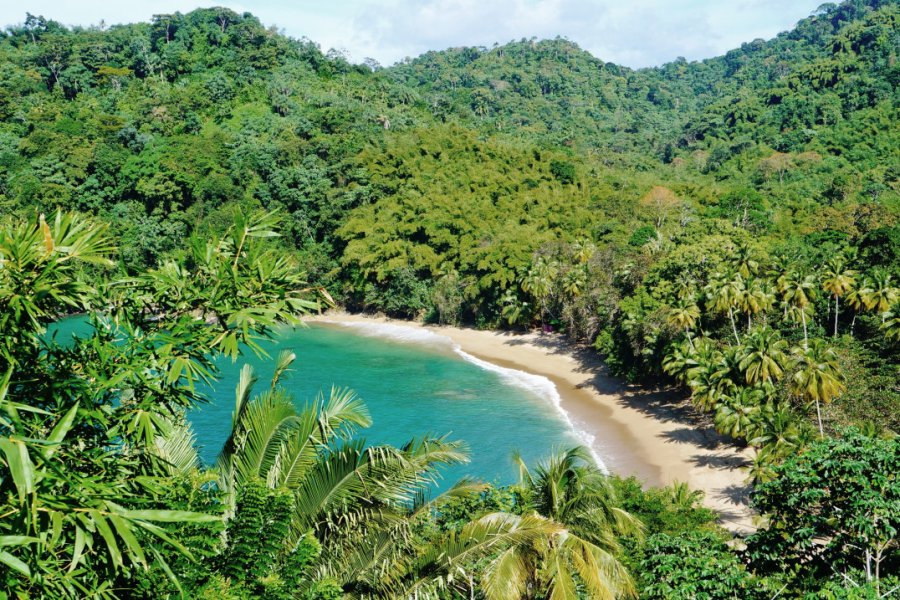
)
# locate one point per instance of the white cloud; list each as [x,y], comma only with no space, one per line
[636,33]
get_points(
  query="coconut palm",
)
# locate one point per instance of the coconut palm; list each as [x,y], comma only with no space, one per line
[817,378]
[763,356]
[539,281]
[856,302]
[680,361]
[742,260]
[890,324]
[570,490]
[724,291]
[777,429]
[878,292]
[736,413]
[838,279]
[571,535]
[684,315]
[709,380]
[798,292]
[754,298]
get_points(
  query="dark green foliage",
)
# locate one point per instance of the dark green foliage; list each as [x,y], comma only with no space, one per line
[835,507]
[642,235]
[694,566]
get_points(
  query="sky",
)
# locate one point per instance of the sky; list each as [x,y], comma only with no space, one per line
[635,33]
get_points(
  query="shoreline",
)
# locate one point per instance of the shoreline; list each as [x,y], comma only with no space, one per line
[651,434]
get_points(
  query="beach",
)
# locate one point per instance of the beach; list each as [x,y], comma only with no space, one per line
[654,435]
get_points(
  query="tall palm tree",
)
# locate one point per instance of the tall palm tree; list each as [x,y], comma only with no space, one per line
[684,315]
[764,356]
[754,298]
[838,279]
[743,261]
[856,302]
[891,323]
[724,292]
[736,414]
[818,378]
[566,547]
[879,293]
[798,292]
[539,281]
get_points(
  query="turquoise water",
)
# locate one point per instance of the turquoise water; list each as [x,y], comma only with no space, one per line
[413,383]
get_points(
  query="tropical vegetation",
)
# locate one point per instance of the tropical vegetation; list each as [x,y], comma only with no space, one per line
[728,227]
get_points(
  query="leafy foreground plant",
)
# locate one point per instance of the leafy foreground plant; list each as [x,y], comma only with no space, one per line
[88,427]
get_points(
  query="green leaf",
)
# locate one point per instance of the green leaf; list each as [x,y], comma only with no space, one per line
[169,516]
[79,548]
[167,570]
[20,466]
[60,430]
[15,564]
[106,533]
[134,547]
[17,540]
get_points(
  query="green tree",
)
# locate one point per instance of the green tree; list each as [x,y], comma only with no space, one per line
[817,377]
[838,280]
[764,356]
[694,565]
[832,510]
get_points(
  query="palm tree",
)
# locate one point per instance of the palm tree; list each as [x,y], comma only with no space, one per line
[539,282]
[735,414]
[798,292]
[764,356]
[891,323]
[568,489]
[818,378]
[684,315]
[838,280]
[878,292]
[742,260]
[708,380]
[570,535]
[680,361]
[344,492]
[754,298]
[856,302]
[724,291]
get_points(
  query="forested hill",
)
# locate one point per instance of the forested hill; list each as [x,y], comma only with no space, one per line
[726,227]
[451,185]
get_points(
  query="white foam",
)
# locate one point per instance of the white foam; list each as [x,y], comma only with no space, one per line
[535,384]
[399,333]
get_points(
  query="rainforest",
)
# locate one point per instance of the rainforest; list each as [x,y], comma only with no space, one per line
[196,191]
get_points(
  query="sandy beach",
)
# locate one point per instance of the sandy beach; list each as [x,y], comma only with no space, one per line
[653,435]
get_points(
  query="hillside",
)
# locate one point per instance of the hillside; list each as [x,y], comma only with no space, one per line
[730,227]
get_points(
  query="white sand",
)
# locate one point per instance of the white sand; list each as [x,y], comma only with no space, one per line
[653,435]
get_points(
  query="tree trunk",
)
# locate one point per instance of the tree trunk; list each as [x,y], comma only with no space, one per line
[805,335]
[819,416]
[733,325]
[837,300]
[687,332]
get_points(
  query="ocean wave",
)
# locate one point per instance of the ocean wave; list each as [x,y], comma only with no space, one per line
[538,385]
[398,333]
[542,387]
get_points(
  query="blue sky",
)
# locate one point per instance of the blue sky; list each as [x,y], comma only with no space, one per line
[637,33]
